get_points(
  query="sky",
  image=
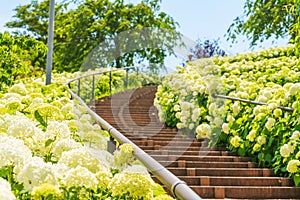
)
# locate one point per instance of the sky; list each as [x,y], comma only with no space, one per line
[198,19]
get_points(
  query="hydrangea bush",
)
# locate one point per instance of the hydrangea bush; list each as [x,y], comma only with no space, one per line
[270,135]
[50,148]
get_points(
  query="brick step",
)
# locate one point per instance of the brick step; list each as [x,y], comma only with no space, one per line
[241,172]
[236,181]
[193,153]
[206,164]
[153,136]
[202,158]
[179,148]
[164,143]
[247,192]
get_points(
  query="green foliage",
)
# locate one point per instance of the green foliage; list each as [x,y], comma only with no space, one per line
[263,19]
[19,57]
[80,29]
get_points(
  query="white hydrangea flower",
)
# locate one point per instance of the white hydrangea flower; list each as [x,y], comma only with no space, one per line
[65,145]
[295,135]
[292,166]
[261,140]
[218,121]
[177,108]
[270,123]
[21,127]
[36,102]
[186,105]
[196,114]
[294,89]
[79,177]
[203,130]
[86,118]
[267,93]
[286,150]
[35,173]
[272,106]
[13,104]
[262,99]
[191,126]
[236,108]
[180,125]
[136,185]
[230,118]
[5,190]
[68,111]
[19,89]
[102,155]
[81,157]
[235,141]
[94,140]
[57,130]
[277,112]
[225,128]
[13,152]
[178,115]
[9,95]
[252,135]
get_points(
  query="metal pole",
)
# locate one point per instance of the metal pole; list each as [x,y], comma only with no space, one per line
[50,43]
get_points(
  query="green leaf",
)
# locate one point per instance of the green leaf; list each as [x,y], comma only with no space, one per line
[297,180]
[48,142]
[40,119]
[260,156]
[268,158]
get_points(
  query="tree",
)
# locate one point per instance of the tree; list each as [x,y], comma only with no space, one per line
[263,19]
[19,56]
[207,49]
[97,22]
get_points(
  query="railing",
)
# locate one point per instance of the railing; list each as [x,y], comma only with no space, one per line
[93,79]
[250,102]
[179,188]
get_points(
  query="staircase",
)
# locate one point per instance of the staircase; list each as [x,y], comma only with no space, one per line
[213,173]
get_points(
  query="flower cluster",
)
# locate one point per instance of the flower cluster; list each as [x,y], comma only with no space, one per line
[50,148]
[189,100]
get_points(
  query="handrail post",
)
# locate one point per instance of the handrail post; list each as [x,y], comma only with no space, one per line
[93,87]
[78,92]
[110,82]
[126,80]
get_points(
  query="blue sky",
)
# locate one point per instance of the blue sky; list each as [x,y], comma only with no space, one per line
[204,19]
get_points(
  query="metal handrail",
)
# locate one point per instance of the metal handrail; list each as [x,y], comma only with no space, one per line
[100,73]
[288,109]
[178,187]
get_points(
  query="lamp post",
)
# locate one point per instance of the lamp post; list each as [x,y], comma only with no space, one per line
[50,43]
